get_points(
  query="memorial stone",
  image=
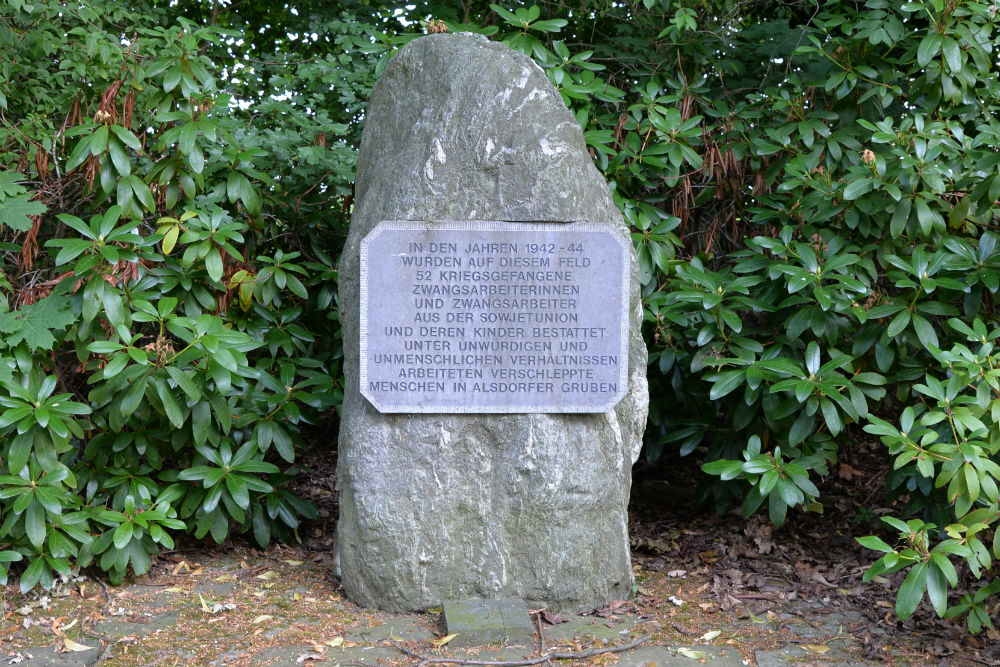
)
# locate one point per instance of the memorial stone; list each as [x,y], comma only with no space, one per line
[495,392]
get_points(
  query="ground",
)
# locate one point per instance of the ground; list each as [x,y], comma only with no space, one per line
[710,589]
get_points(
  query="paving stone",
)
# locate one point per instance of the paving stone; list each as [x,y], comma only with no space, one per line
[288,656]
[795,654]
[478,622]
[575,625]
[117,628]
[407,628]
[668,656]
[48,657]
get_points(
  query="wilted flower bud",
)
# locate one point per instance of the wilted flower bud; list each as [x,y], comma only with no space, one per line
[436,25]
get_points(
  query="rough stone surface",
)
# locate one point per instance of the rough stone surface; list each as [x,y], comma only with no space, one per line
[478,622]
[436,507]
[48,656]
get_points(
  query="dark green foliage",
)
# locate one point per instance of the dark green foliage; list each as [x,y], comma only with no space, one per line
[812,194]
[812,190]
[165,264]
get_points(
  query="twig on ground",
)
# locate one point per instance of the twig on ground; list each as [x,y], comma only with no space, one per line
[541,635]
[424,660]
[108,642]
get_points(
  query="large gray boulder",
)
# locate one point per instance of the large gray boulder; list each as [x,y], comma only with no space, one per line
[446,506]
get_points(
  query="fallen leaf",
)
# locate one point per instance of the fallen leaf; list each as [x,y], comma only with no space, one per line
[438,643]
[267,576]
[296,596]
[262,618]
[623,607]
[180,567]
[309,656]
[847,472]
[552,618]
[335,642]
[710,635]
[73,646]
[691,653]
[294,562]
[204,605]
[174,589]
[435,610]
[815,648]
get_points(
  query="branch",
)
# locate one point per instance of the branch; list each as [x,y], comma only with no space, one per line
[424,660]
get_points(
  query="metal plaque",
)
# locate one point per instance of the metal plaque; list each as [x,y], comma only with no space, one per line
[494,317]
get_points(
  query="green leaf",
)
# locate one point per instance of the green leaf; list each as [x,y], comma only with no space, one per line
[170,239]
[213,264]
[123,535]
[15,212]
[184,381]
[189,132]
[134,395]
[34,324]
[911,591]
[857,188]
[35,573]
[898,323]
[900,216]
[952,54]
[118,157]
[261,526]
[929,47]
[831,416]
[726,383]
[238,490]
[126,137]
[173,410]
[20,450]
[812,358]
[937,589]
[99,140]
[79,155]
[925,332]
[142,192]
[34,524]
[874,543]
[924,216]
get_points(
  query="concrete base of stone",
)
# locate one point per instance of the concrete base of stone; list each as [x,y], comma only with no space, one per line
[479,622]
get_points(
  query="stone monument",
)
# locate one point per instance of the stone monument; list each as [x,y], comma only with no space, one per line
[495,373]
